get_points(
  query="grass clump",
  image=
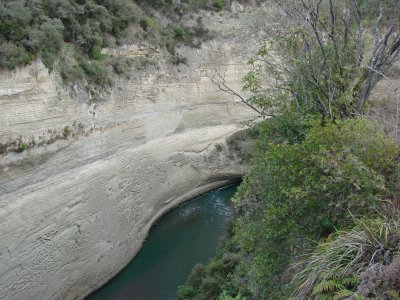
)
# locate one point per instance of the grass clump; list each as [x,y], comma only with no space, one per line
[337,265]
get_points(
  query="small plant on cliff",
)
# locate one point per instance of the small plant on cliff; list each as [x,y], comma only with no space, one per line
[218,4]
[178,59]
[67,131]
[22,147]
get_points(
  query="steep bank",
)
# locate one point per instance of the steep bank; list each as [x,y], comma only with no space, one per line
[76,206]
[75,227]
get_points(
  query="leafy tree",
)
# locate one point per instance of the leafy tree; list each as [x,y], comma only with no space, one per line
[325,56]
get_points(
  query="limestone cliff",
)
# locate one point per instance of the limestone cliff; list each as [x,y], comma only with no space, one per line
[76,205]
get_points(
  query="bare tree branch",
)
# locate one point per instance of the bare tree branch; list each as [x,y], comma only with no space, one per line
[219,80]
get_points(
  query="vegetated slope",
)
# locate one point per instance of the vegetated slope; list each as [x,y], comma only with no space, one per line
[318,212]
[308,183]
[69,34]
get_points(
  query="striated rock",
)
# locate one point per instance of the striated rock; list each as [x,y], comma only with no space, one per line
[68,226]
[76,206]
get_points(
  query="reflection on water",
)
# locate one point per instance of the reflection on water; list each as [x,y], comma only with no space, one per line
[187,235]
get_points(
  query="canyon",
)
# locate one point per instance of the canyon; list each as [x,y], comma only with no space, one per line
[84,174]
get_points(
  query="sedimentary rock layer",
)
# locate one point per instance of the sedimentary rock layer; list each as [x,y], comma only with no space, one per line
[76,205]
[69,232]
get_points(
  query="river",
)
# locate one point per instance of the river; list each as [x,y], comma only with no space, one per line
[187,235]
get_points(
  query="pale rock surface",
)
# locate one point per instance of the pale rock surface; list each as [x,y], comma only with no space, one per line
[74,211]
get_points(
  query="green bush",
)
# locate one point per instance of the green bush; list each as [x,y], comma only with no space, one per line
[22,147]
[121,65]
[80,29]
[51,41]
[15,18]
[12,56]
[180,32]
[148,23]
[185,292]
[209,282]
[72,73]
[96,72]
[226,296]
[67,131]
[169,45]
[290,127]
[307,180]
[219,4]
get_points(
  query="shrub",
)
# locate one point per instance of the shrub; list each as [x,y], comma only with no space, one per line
[225,296]
[15,18]
[22,147]
[219,4]
[178,59]
[30,29]
[180,32]
[96,72]
[185,292]
[290,127]
[67,132]
[72,73]
[51,41]
[121,65]
[148,23]
[169,45]
[12,56]
[208,282]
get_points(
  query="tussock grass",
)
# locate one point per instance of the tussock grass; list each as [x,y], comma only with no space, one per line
[335,267]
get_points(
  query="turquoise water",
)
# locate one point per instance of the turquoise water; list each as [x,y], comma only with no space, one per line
[185,236]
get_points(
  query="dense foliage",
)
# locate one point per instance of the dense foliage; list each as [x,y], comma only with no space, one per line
[70,34]
[306,182]
[40,27]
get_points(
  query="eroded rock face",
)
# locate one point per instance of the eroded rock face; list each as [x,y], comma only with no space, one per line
[76,206]
[74,228]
